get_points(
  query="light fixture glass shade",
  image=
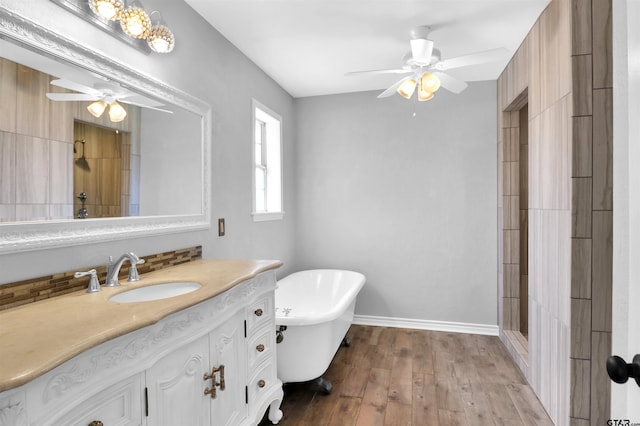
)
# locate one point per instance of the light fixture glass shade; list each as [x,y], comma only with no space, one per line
[430,82]
[407,88]
[116,112]
[161,39]
[135,22]
[107,9]
[97,108]
[424,91]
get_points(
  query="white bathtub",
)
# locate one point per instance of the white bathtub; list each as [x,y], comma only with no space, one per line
[316,306]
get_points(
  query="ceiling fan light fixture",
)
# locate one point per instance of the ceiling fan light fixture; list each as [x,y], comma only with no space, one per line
[97,108]
[407,88]
[107,9]
[135,22]
[116,112]
[429,82]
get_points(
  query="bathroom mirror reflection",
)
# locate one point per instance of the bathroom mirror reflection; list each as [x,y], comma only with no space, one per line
[54,149]
[163,175]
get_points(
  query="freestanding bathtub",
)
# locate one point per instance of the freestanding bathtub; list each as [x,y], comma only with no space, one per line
[316,307]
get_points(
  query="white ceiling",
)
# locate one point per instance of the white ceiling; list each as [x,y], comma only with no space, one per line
[308,45]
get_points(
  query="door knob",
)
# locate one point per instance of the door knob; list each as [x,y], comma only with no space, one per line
[619,371]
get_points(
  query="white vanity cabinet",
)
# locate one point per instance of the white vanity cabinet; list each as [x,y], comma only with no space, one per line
[165,374]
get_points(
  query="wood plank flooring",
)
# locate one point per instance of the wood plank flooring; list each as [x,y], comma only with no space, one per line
[394,376]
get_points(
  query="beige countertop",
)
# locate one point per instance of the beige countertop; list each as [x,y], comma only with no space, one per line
[37,337]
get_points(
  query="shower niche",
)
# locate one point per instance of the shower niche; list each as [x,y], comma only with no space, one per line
[104,172]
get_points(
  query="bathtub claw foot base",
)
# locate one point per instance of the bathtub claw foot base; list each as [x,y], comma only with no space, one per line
[346,342]
[323,385]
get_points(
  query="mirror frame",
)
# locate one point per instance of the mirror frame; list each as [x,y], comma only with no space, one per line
[27,236]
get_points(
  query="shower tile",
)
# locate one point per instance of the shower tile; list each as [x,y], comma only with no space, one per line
[581,34]
[582,162]
[582,85]
[31,101]
[602,149]
[8,95]
[581,207]
[61,160]
[581,268]
[32,212]
[7,212]
[7,169]
[32,170]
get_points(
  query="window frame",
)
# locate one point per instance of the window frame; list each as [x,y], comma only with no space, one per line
[258,113]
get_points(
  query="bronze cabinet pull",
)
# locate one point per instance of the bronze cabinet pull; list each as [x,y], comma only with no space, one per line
[214,382]
[260,347]
[96,423]
[258,312]
[261,383]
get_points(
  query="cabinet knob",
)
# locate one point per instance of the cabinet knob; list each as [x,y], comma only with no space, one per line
[258,312]
[261,383]
[96,423]
[260,347]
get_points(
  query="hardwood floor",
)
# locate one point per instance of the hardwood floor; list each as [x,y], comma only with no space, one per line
[393,376]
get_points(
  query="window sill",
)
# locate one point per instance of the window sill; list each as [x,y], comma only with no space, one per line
[265,216]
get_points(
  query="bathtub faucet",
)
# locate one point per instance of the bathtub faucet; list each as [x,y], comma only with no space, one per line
[279,334]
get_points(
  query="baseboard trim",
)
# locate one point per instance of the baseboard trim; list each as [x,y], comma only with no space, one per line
[452,327]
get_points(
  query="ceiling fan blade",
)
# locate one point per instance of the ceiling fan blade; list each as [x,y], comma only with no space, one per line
[391,90]
[68,84]
[72,97]
[421,50]
[373,72]
[450,83]
[473,59]
[142,105]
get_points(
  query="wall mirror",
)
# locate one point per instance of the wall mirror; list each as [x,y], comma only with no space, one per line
[70,177]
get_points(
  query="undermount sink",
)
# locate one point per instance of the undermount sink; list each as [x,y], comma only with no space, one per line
[155,292]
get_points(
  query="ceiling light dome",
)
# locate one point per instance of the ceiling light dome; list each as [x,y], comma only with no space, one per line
[116,112]
[97,108]
[135,22]
[430,82]
[107,9]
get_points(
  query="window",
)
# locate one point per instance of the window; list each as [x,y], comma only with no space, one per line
[267,163]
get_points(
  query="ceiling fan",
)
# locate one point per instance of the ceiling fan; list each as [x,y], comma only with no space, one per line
[103,95]
[426,68]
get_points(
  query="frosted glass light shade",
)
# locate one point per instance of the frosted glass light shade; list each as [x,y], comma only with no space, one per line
[430,82]
[407,88]
[97,108]
[135,22]
[161,39]
[116,112]
[107,9]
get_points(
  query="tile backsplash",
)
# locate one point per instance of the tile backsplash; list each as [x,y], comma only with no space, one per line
[32,290]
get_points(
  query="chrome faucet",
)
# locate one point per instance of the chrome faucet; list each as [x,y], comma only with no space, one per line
[94,284]
[113,269]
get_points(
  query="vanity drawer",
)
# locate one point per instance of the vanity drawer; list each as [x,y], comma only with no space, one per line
[262,381]
[260,312]
[260,346]
[120,404]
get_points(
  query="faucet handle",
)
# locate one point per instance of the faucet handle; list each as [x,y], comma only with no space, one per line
[94,284]
[133,270]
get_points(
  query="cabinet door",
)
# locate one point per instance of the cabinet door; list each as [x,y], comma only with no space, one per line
[176,387]
[228,349]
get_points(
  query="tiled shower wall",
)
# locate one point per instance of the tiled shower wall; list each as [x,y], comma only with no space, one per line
[562,70]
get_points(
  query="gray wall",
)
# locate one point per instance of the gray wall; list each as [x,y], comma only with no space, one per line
[209,67]
[408,200]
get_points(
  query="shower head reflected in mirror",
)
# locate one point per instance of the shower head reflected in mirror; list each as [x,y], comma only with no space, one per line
[82,161]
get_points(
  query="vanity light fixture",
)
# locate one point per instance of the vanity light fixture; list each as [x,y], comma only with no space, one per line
[107,9]
[134,21]
[160,37]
